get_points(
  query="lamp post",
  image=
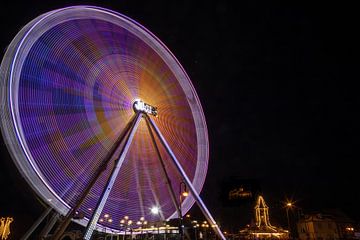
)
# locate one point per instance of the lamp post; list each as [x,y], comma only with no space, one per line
[195,226]
[155,210]
[288,206]
[182,193]
[129,224]
[109,220]
[123,223]
[205,226]
[141,223]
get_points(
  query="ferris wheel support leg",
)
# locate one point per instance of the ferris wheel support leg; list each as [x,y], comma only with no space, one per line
[168,181]
[36,224]
[193,191]
[51,223]
[111,180]
[65,223]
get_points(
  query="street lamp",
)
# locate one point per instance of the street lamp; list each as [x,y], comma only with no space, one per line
[123,223]
[289,205]
[155,210]
[195,226]
[182,193]
[141,223]
[205,226]
[129,224]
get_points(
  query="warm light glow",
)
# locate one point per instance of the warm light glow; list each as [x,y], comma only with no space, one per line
[262,214]
[140,106]
[145,222]
[126,217]
[142,219]
[106,215]
[130,222]
[239,193]
[110,220]
[5,227]
[185,194]
[138,223]
[101,220]
[289,204]
[154,210]
[262,227]
[122,221]
[187,215]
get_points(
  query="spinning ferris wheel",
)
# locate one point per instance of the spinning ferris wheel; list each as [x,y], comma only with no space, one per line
[101,118]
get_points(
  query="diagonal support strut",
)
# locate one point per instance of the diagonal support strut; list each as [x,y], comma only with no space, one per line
[65,223]
[111,180]
[193,191]
[168,181]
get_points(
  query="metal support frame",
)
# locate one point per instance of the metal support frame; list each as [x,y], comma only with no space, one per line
[168,181]
[36,224]
[62,227]
[193,191]
[50,224]
[129,133]
[111,180]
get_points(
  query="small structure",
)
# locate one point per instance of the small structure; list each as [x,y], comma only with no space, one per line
[331,225]
[262,229]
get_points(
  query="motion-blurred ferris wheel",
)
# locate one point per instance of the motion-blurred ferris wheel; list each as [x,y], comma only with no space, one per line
[100,118]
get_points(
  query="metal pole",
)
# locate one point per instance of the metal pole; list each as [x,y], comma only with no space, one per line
[287,216]
[44,233]
[193,191]
[36,224]
[111,180]
[168,181]
[181,217]
[62,227]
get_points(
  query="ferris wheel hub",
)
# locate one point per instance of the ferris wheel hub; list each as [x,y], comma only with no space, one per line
[140,106]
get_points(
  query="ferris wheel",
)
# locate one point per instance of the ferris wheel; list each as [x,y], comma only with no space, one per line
[100,118]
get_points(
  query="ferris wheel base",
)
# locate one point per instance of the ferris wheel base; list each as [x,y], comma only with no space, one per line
[133,124]
[152,127]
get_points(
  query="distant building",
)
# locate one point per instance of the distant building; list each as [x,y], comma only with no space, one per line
[317,227]
[329,226]
[262,229]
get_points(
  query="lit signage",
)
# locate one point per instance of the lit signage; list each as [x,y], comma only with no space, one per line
[239,193]
[5,227]
[236,191]
[140,106]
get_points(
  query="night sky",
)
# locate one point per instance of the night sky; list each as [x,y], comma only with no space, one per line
[277,82]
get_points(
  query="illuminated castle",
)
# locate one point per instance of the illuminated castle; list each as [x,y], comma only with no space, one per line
[262,229]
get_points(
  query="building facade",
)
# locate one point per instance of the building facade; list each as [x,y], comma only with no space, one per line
[326,227]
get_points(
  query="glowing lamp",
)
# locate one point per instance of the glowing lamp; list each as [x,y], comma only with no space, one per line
[140,106]
[154,210]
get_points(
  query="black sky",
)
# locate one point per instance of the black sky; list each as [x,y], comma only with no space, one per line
[277,82]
